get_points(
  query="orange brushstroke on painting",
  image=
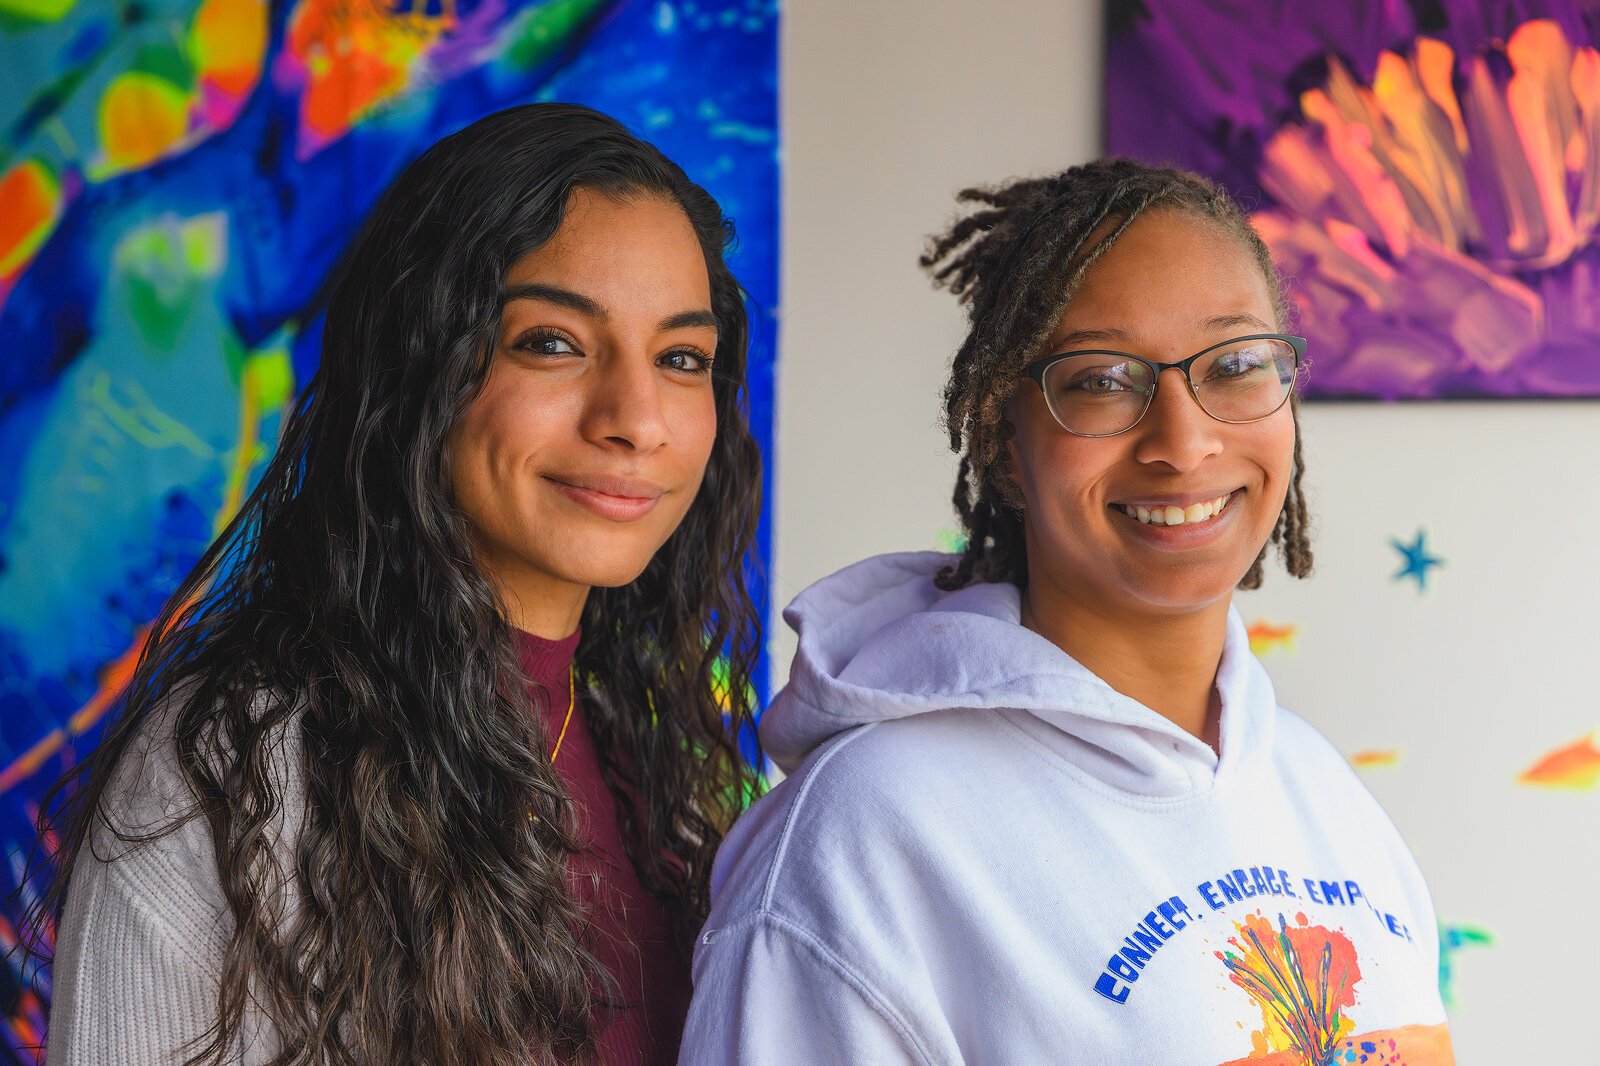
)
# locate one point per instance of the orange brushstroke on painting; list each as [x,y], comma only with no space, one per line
[229,42]
[33,206]
[1374,757]
[1350,240]
[29,761]
[1496,132]
[1586,91]
[1266,637]
[113,679]
[1576,767]
[1385,169]
[1542,108]
[1436,62]
[355,56]
[32,197]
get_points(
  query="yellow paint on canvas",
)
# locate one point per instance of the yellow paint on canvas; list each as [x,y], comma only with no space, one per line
[142,117]
[37,10]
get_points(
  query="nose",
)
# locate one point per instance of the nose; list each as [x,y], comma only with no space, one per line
[623,407]
[1176,431]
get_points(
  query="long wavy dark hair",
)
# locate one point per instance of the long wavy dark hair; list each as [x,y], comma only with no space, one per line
[433,922]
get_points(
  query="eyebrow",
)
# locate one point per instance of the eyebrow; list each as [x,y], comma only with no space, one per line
[688,320]
[1236,320]
[553,294]
[1089,336]
[1114,335]
[577,301]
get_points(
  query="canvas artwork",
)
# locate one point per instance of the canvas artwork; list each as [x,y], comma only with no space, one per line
[176,178]
[1427,174]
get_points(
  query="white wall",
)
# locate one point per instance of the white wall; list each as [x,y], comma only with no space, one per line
[887,111]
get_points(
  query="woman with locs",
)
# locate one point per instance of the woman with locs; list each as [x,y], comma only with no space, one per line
[1042,804]
[428,758]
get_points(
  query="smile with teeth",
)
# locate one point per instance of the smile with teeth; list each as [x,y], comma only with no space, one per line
[1175,516]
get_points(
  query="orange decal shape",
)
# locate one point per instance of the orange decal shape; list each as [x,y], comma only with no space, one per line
[1268,637]
[1575,767]
[1375,757]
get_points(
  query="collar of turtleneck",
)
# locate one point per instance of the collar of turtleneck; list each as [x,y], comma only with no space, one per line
[546,663]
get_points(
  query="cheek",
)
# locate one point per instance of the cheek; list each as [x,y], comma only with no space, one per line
[693,421]
[1277,448]
[496,436]
[1055,469]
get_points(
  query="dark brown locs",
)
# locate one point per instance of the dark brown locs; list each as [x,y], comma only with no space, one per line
[1014,260]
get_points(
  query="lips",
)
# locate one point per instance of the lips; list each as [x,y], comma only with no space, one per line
[1174,514]
[621,499]
[1178,522]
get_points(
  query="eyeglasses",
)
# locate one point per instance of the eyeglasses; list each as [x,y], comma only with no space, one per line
[1097,393]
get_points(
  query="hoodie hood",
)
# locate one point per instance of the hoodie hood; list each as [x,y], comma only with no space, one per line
[879,641]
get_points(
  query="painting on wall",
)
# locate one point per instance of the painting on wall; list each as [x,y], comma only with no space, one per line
[176,178]
[1427,174]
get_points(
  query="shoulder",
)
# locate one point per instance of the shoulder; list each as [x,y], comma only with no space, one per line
[1302,748]
[1325,786]
[150,835]
[861,810]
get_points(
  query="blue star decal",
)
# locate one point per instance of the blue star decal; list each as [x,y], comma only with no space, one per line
[1418,562]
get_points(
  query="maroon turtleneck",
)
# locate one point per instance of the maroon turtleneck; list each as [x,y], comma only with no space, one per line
[628,931]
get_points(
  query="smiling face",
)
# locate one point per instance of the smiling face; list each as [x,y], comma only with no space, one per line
[588,441]
[1171,285]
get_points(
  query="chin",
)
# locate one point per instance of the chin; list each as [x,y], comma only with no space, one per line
[1187,595]
[606,573]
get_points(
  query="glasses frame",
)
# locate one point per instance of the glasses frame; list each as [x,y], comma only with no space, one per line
[1036,370]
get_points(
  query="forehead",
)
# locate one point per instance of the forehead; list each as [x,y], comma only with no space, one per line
[621,251]
[1165,277]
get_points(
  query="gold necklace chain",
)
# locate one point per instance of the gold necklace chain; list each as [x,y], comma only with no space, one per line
[572,701]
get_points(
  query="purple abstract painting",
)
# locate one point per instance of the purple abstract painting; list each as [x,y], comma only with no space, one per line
[1427,174]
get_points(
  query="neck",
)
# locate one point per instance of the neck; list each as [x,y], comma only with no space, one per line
[1168,662]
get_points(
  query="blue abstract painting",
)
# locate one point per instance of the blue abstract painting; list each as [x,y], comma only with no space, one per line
[176,179]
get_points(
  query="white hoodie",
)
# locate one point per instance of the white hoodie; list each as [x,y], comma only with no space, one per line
[984,854]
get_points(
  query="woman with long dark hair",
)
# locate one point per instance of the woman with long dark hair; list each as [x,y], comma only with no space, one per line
[430,754]
[1043,805]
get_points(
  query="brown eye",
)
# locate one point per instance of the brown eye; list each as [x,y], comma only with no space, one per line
[547,342]
[686,360]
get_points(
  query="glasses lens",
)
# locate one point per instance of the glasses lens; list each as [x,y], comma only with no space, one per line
[1246,380]
[1097,394]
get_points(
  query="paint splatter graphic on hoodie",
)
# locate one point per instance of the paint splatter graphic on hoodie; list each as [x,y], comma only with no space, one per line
[1305,981]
